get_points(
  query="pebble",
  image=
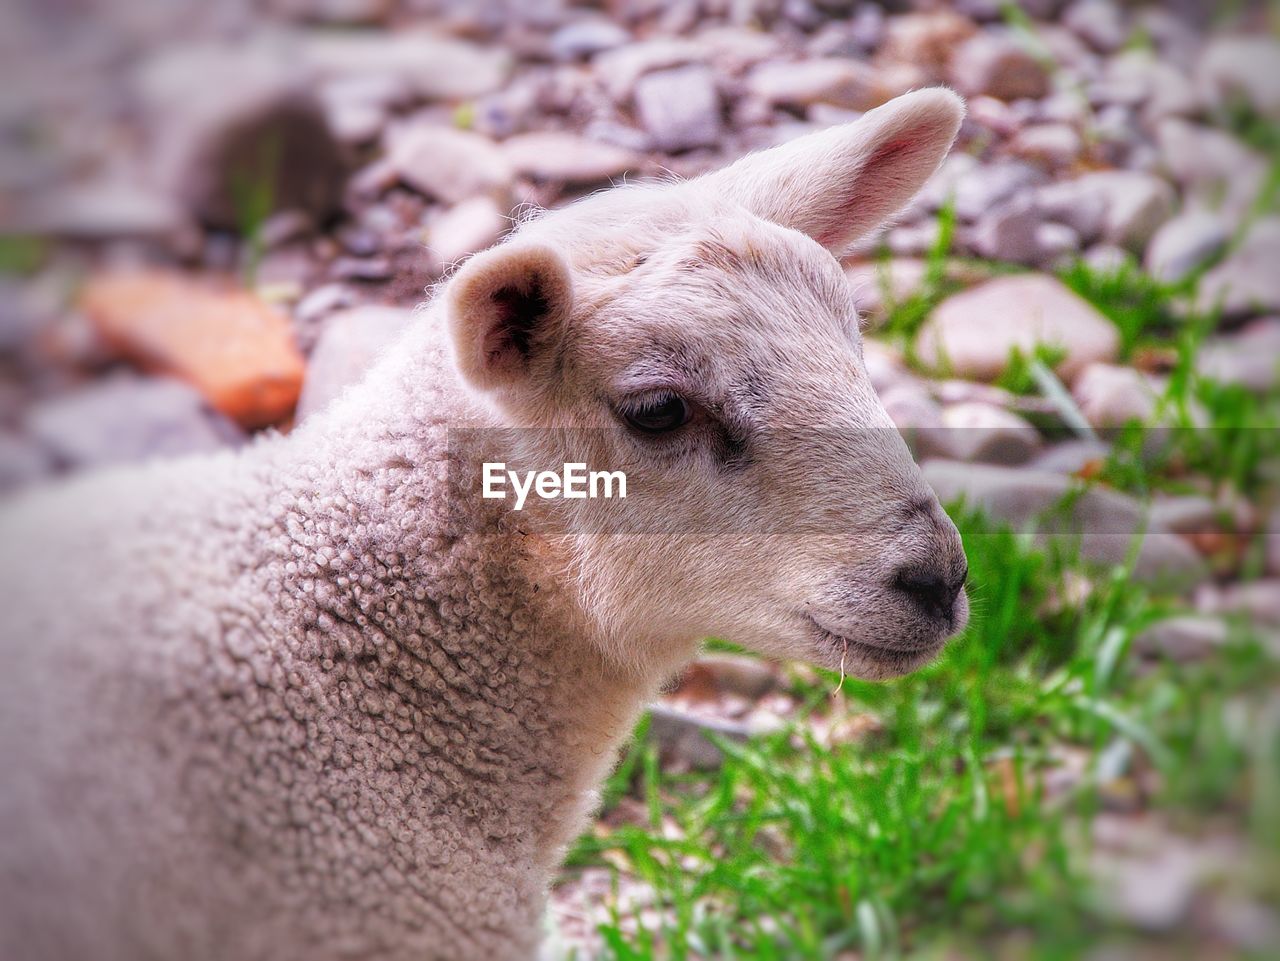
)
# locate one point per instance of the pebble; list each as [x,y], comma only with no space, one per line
[567,158]
[974,331]
[620,70]
[1184,244]
[1071,457]
[998,64]
[1129,206]
[225,121]
[126,419]
[979,189]
[1183,639]
[1244,66]
[22,461]
[432,66]
[450,165]
[1250,357]
[682,741]
[1111,396]
[1104,522]
[1009,232]
[1098,23]
[471,226]
[1216,167]
[1247,282]
[989,434]
[235,349]
[586,38]
[839,82]
[680,108]
[348,344]
[1051,144]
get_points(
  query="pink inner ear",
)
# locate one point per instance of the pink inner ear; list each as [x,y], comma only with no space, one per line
[876,190]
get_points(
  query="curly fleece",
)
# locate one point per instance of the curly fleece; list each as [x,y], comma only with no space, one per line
[303,710]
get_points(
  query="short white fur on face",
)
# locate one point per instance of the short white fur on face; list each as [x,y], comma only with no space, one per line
[787,515]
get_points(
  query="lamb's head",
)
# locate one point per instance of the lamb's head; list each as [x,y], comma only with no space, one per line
[702,337]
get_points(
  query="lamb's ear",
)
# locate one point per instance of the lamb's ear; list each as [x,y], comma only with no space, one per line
[504,306]
[837,184]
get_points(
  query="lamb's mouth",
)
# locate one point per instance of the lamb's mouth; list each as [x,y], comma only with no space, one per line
[887,658]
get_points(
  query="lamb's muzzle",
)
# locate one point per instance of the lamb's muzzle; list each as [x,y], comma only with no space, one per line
[319,699]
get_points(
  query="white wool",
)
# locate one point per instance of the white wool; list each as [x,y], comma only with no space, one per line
[314,700]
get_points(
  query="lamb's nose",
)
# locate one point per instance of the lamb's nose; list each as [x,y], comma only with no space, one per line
[933,592]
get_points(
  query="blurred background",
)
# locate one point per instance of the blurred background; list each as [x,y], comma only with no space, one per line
[214,215]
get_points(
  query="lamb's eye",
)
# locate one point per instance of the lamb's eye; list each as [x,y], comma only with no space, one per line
[658,414]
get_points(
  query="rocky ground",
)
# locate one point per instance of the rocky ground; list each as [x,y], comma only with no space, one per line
[215,215]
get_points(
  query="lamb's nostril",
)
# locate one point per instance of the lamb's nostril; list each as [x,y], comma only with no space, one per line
[930,590]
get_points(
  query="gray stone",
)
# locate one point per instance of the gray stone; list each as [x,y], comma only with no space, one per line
[471,226]
[340,12]
[586,38]
[988,434]
[1054,144]
[1258,601]
[1185,243]
[1250,358]
[450,165]
[1212,164]
[126,419]
[1247,282]
[980,189]
[234,130]
[974,331]
[1185,638]
[102,210]
[1008,232]
[433,67]
[1071,457]
[1098,23]
[567,158]
[22,461]
[348,345]
[997,63]
[1111,396]
[1244,66]
[621,69]
[1271,538]
[749,677]
[836,81]
[682,739]
[1129,205]
[918,418]
[680,108]
[1104,523]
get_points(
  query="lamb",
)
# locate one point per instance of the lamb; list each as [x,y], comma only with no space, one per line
[319,699]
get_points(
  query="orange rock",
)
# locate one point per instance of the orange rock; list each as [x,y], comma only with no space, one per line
[236,350]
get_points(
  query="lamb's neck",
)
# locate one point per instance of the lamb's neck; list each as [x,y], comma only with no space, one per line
[483,677]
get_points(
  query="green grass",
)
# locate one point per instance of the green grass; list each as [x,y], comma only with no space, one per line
[935,831]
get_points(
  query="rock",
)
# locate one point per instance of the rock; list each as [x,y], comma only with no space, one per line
[471,226]
[1211,163]
[927,38]
[974,331]
[989,434]
[1245,67]
[238,134]
[718,674]
[1185,243]
[1259,601]
[1108,258]
[360,268]
[1102,522]
[1271,539]
[1054,242]
[236,350]
[877,286]
[433,67]
[1129,204]
[1052,144]
[839,82]
[918,418]
[451,165]
[619,70]
[1098,23]
[1111,396]
[1183,639]
[980,189]
[995,62]
[1247,282]
[583,39]
[128,419]
[22,461]
[1010,232]
[1072,457]
[566,158]
[680,108]
[341,12]
[682,740]
[1250,358]
[1191,515]
[885,365]
[348,345]
[103,210]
